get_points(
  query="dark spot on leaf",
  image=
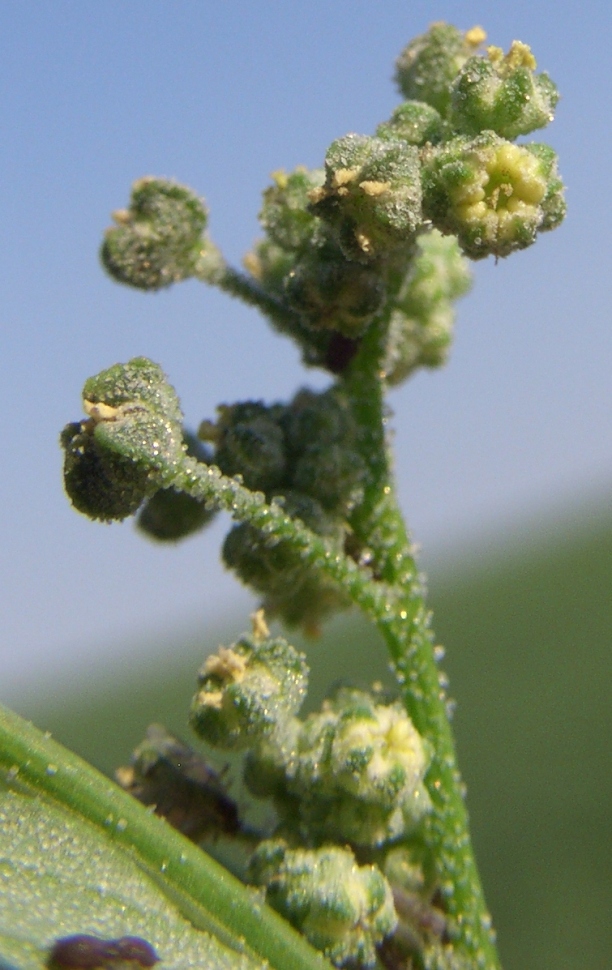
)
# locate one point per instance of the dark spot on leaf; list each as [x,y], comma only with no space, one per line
[84,952]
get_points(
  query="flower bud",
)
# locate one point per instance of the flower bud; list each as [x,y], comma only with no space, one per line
[317,418]
[377,754]
[290,588]
[333,293]
[502,94]
[158,239]
[247,690]
[427,67]
[358,769]
[249,442]
[98,483]
[284,214]
[493,195]
[420,328]
[321,438]
[414,122]
[342,908]
[371,199]
[333,474]
[130,445]
[169,516]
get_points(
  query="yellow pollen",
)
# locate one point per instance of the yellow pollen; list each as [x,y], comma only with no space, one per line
[375,188]
[226,664]
[475,36]
[344,175]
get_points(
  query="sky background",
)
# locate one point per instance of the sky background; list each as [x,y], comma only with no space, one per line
[516,429]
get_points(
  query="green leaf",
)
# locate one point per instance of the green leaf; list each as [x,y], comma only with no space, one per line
[78,855]
[60,876]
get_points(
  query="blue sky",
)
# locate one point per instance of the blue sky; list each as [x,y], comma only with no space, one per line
[218,95]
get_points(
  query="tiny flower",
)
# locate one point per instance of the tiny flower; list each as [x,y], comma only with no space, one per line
[493,195]
[247,690]
[284,214]
[421,324]
[371,199]
[427,67]
[416,123]
[342,908]
[158,239]
[502,93]
[249,442]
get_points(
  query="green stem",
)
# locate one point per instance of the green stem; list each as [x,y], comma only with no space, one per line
[245,288]
[405,626]
[204,891]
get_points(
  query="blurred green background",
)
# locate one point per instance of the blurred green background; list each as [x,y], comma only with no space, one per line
[527,631]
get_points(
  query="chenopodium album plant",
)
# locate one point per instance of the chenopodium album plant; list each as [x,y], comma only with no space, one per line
[361,261]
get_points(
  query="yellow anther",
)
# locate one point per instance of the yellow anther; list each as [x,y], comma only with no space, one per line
[475,36]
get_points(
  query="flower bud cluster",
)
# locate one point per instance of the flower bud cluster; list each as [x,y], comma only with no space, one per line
[303,454]
[339,241]
[333,298]
[346,783]
[421,325]
[158,240]
[342,908]
[129,446]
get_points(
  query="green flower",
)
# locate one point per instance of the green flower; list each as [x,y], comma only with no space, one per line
[158,239]
[249,442]
[421,324]
[502,94]
[414,122]
[248,690]
[130,445]
[334,293]
[342,908]
[493,195]
[371,199]
[284,214]
[427,67]
[290,588]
